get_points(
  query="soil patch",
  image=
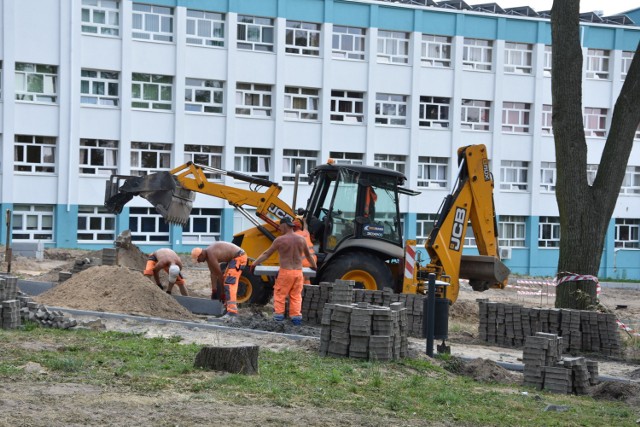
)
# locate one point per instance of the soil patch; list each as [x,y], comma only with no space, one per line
[115,289]
[617,390]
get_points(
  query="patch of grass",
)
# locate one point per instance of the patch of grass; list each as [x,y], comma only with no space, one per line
[417,391]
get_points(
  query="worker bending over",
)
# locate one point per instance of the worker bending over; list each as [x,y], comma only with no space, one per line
[291,248]
[167,260]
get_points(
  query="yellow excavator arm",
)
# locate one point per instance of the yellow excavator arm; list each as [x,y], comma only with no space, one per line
[470,201]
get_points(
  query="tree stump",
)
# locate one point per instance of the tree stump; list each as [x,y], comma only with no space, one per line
[237,360]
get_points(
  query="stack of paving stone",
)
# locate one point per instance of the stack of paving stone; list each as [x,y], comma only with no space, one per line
[364,331]
[314,298]
[544,367]
[109,256]
[582,331]
[9,305]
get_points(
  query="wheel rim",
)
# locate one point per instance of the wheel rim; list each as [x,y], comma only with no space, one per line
[363,277]
[244,290]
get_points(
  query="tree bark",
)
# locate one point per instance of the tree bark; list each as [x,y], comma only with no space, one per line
[237,360]
[585,210]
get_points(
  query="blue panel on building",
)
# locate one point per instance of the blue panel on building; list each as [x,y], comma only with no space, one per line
[630,40]
[305,10]
[479,27]
[265,8]
[206,5]
[521,31]
[356,15]
[168,3]
[396,18]
[438,23]
[599,38]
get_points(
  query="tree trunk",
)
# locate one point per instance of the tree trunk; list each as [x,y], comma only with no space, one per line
[585,210]
[237,360]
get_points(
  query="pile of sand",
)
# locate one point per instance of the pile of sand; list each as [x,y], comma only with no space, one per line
[115,289]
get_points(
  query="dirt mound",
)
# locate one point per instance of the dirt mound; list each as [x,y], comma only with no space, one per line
[464,311]
[486,370]
[616,390]
[114,289]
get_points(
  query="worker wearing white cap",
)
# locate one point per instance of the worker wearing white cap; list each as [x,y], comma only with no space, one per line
[167,260]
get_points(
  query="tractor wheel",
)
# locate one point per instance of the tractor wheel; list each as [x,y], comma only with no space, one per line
[252,290]
[368,271]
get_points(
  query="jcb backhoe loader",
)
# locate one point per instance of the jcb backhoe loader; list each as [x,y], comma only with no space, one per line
[354,219]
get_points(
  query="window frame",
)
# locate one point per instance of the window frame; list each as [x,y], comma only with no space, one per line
[483,115]
[518,58]
[28,74]
[441,105]
[631,183]
[36,146]
[515,226]
[205,155]
[598,64]
[393,47]
[547,119]
[435,51]
[348,37]
[394,162]
[425,222]
[547,58]
[140,220]
[210,218]
[149,15]
[103,146]
[142,152]
[440,168]
[248,27]
[520,171]
[143,92]
[391,109]
[195,88]
[294,95]
[215,23]
[42,231]
[108,80]
[99,227]
[254,161]
[548,172]
[101,7]
[627,58]
[310,32]
[627,233]
[598,116]
[341,98]
[516,117]
[549,226]
[347,158]
[307,159]
[477,54]
[261,93]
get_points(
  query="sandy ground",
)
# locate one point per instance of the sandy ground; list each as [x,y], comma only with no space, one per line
[80,404]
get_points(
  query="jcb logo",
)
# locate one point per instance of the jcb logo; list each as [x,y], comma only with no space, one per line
[278,212]
[457,229]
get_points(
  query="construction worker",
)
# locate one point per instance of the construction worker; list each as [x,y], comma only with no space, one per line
[301,230]
[169,261]
[236,259]
[290,248]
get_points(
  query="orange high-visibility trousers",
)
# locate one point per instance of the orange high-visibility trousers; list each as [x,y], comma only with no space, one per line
[230,280]
[288,284]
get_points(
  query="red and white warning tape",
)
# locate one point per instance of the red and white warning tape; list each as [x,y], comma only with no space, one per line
[626,328]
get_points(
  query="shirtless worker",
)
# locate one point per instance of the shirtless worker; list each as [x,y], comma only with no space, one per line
[300,229]
[167,260]
[289,282]
[235,258]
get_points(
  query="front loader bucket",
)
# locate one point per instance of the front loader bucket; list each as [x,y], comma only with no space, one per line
[161,189]
[484,272]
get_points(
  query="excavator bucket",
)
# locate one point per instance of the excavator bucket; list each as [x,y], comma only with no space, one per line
[161,189]
[484,272]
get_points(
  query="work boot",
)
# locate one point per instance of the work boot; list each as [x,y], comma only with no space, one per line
[296,320]
[229,318]
[278,317]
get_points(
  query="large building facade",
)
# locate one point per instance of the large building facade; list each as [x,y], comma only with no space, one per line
[91,88]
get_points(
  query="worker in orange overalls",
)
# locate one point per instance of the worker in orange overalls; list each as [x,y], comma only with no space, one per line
[167,260]
[291,248]
[236,259]
[301,230]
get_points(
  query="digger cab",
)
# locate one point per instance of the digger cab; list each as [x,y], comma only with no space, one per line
[354,202]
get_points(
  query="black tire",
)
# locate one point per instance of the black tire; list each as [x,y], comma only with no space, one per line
[252,290]
[366,269]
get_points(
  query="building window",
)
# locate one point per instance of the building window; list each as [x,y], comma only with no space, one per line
[301,103]
[547,119]
[515,117]
[205,28]
[203,227]
[627,57]
[393,47]
[205,155]
[152,22]
[255,33]
[592,171]
[595,122]
[203,96]
[424,226]
[347,106]
[432,172]
[147,226]
[253,100]
[348,43]
[391,109]
[514,175]
[518,58]
[98,156]
[477,54]
[547,61]
[253,161]
[475,114]
[151,92]
[96,224]
[434,112]
[0,80]
[598,64]
[549,232]
[512,231]
[35,154]
[149,157]
[36,83]
[302,38]
[547,177]
[306,159]
[631,183]
[436,51]
[101,17]
[32,222]
[627,233]
[99,88]
[469,237]
[394,162]
[342,158]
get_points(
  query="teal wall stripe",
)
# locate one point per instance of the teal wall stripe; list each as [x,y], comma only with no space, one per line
[304,10]
[208,5]
[353,14]
[439,23]
[398,19]
[479,27]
